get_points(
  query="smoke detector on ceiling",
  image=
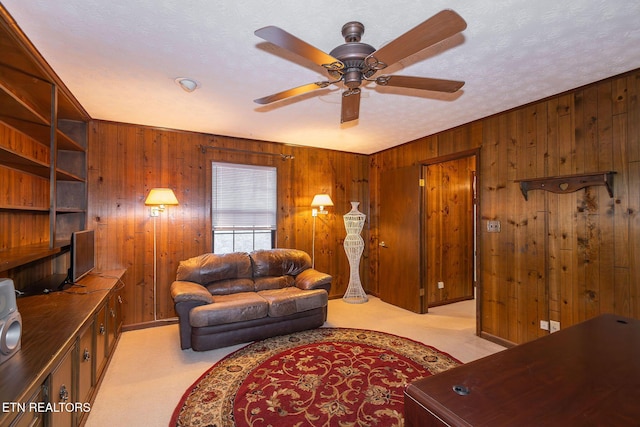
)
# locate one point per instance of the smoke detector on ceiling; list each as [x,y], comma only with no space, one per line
[189,85]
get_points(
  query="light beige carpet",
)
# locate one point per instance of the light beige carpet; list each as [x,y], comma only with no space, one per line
[149,373]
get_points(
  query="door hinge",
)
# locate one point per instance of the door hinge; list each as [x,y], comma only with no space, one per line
[421,182]
[422,292]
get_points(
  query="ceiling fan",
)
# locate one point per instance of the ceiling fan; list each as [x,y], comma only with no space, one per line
[353,62]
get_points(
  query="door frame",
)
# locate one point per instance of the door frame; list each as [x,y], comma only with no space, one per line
[475,152]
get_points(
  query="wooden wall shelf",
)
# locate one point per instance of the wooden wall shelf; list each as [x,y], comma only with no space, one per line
[21,255]
[43,160]
[568,183]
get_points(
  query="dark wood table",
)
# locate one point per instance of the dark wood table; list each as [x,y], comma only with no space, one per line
[585,375]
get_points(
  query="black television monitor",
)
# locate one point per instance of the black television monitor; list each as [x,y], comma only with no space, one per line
[82,259]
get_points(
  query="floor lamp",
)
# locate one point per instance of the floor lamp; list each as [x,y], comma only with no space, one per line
[158,199]
[319,202]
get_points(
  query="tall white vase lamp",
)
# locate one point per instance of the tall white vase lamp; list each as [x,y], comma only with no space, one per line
[319,202]
[158,199]
[354,246]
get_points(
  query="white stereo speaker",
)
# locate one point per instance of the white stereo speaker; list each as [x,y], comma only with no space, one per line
[10,321]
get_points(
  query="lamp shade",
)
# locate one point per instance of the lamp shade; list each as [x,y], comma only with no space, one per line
[321,200]
[161,196]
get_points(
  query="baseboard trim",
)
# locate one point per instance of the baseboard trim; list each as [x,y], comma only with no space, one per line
[450,301]
[497,340]
[151,324]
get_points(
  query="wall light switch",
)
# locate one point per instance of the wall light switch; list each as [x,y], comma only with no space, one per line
[554,326]
[440,285]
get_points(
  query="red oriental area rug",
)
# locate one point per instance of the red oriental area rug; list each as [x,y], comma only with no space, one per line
[322,377]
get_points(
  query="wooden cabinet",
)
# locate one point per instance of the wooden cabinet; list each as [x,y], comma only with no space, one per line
[62,390]
[66,346]
[101,340]
[43,167]
[114,320]
[31,418]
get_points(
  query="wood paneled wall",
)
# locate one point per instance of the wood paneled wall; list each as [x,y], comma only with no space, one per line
[563,257]
[126,161]
[423,150]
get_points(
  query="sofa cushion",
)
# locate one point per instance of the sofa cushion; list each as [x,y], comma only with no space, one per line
[231,286]
[229,309]
[268,282]
[279,262]
[208,268]
[286,301]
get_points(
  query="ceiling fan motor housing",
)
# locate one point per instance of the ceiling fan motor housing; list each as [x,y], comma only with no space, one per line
[352,54]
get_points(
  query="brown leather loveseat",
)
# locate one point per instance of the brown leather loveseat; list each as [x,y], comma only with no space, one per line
[227,299]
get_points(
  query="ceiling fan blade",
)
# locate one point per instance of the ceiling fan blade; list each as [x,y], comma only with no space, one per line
[423,83]
[281,38]
[350,105]
[291,92]
[435,29]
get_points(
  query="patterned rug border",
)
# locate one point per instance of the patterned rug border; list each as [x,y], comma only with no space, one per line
[322,333]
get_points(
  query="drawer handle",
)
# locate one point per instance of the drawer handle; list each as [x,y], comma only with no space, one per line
[102,329]
[86,356]
[113,313]
[64,393]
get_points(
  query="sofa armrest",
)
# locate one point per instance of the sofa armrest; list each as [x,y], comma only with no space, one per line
[313,279]
[182,291]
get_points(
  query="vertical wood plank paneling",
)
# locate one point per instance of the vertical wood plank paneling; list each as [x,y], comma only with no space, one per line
[556,257]
[531,224]
[613,215]
[566,251]
[634,241]
[578,251]
[617,295]
[633,151]
[494,303]
[633,95]
[126,161]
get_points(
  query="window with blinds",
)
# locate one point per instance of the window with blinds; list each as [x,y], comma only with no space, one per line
[243,207]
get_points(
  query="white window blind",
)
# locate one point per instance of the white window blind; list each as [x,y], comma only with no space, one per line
[244,196]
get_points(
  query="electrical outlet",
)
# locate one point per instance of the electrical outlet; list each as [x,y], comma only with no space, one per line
[555,326]
[544,324]
[440,285]
[493,226]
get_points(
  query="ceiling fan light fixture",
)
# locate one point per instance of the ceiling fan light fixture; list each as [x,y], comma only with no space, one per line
[353,62]
[187,84]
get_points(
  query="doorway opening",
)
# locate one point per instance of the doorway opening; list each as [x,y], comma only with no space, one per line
[449,229]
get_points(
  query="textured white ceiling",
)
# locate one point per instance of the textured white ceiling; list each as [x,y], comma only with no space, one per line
[120,59]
